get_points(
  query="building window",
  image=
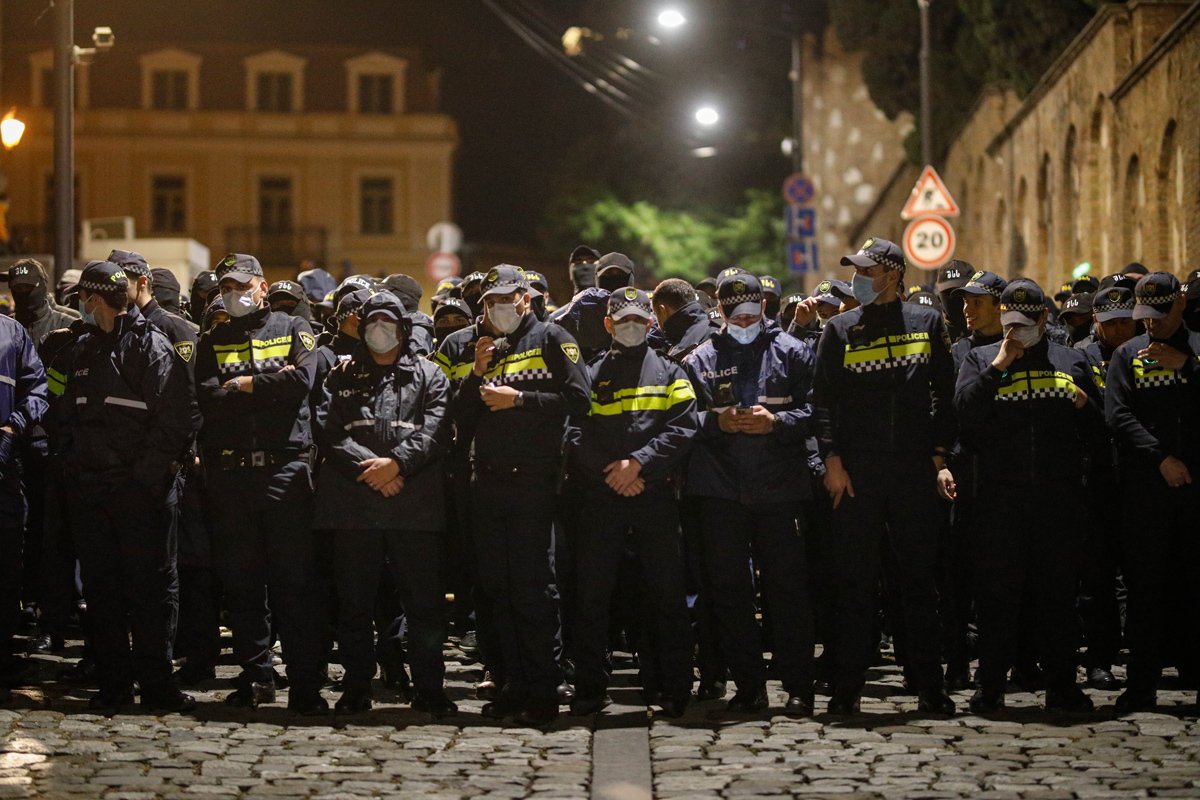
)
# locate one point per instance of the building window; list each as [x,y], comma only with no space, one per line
[169,90]
[274,92]
[274,205]
[168,204]
[375,94]
[376,215]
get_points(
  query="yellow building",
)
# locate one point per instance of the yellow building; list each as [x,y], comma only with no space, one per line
[309,153]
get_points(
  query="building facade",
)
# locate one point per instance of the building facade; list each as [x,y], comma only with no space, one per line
[311,153]
[1100,163]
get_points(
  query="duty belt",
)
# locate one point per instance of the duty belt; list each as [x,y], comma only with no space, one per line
[258,459]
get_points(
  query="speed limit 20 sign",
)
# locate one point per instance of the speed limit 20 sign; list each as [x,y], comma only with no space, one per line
[929,241]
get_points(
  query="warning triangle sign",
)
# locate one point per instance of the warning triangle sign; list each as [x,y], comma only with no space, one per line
[930,196]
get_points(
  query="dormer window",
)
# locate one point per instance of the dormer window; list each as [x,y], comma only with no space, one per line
[375,84]
[171,80]
[275,82]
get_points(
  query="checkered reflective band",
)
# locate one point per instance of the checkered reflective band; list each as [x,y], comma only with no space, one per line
[1158,301]
[1148,375]
[889,352]
[518,368]
[881,258]
[1024,308]
[737,299]
[1037,385]
[254,357]
[994,291]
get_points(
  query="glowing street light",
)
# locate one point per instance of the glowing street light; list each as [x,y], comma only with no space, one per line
[11,130]
[671,18]
[707,116]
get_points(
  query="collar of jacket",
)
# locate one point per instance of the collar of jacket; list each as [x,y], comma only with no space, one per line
[249,321]
[635,352]
[981,339]
[344,343]
[882,310]
[1038,351]
[679,323]
[362,357]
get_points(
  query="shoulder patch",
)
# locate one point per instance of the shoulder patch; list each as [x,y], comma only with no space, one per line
[571,351]
[185,349]
[307,340]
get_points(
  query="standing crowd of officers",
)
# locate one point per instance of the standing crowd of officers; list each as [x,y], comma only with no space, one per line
[700,475]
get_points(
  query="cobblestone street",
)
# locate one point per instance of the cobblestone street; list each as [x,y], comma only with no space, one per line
[51,747]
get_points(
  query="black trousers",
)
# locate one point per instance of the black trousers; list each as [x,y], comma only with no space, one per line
[12,534]
[650,528]
[709,659]
[1162,549]
[737,538]
[955,580]
[1097,603]
[414,559]
[513,515]
[1026,556]
[895,506]
[261,540]
[127,559]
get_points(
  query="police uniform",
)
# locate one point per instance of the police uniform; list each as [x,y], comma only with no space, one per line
[643,408]
[515,463]
[1031,438]
[1099,610]
[256,448]
[751,487]
[883,395]
[1151,410]
[399,412]
[23,403]
[129,420]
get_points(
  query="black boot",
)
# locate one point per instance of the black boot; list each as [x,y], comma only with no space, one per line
[435,703]
[749,701]
[354,700]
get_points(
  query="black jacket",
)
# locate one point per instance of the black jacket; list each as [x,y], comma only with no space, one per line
[128,410]
[963,461]
[544,363]
[397,412]
[885,382]
[644,408]
[1152,410]
[275,416]
[774,371]
[456,357]
[1022,423]
[686,329]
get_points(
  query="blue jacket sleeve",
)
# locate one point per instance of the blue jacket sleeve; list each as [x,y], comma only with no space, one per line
[426,443]
[31,392]
[793,426]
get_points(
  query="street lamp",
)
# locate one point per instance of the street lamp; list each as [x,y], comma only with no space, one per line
[11,130]
[671,18]
[707,116]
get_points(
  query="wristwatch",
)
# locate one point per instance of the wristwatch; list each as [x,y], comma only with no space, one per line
[519,400]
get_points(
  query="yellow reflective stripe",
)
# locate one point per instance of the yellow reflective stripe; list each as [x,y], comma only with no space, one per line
[453,371]
[1098,375]
[226,348]
[513,367]
[645,398]
[233,356]
[1044,383]
[278,351]
[56,382]
[894,346]
[680,385]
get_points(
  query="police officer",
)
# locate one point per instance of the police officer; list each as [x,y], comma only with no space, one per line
[582,267]
[23,403]
[1028,407]
[406,288]
[254,374]
[289,297]
[451,316]
[614,271]
[522,386]
[1076,317]
[130,420]
[1152,391]
[203,292]
[773,295]
[750,471]
[34,307]
[381,491]
[883,394]
[949,278]
[627,455]
[683,322]
[182,333]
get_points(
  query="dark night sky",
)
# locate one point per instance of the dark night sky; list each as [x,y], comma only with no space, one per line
[519,118]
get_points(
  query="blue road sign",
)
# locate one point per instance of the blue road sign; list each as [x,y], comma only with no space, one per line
[798,189]
[801,221]
[802,255]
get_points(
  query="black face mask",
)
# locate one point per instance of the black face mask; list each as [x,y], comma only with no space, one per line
[956,320]
[474,300]
[30,304]
[539,308]
[772,307]
[441,332]
[612,279]
[1191,316]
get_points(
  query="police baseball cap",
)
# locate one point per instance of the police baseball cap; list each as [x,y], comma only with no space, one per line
[104,277]
[453,305]
[1063,293]
[954,275]
[240,267]
[286,289]
[317,283]
[538,285]
[405,287]
[351,302]
[614,261]
[769,285]
[1134,268]
[707,283]
[1077,304]
[1116,302]
[26,272]
[831,292]
[205,283]
[629,302]
[165,286]
[1086,284]
[876,252]
[380,304]
[446,287]
[1022,303]
[790,302]
[1154,295]
[583,253]
[132,263]
[471,281]
[923,298]
[740,293]
[729,272]
[504,279]
[982,283]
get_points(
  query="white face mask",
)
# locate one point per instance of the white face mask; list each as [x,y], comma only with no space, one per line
[630,334]
[744,335]
[239,303]
[381,337]
[1026,335]
[504,317]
